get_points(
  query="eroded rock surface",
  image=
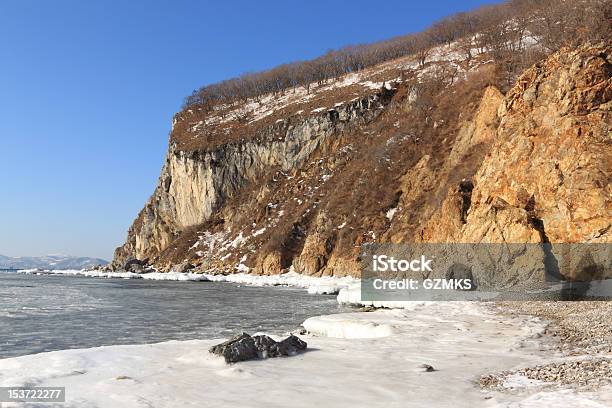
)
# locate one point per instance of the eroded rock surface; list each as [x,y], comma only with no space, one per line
[304,193]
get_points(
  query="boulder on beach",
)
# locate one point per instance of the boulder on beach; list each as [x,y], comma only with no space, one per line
[136,265]
[246,347]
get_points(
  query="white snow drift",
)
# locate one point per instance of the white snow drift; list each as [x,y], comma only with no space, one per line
[326,285]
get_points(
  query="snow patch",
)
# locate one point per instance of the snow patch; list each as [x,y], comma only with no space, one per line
[242,268]
[238,241]
[346,327]
[520,381]
[259,231]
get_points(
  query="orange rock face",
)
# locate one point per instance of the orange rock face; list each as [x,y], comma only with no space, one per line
[551,159]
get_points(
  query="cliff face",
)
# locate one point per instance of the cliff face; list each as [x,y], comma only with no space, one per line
[467,164]
[547,173]
[193,184]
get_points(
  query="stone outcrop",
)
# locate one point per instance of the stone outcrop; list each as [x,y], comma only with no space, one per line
[305,192]
[135,265]
[440,224]
[244,347]
[546,178]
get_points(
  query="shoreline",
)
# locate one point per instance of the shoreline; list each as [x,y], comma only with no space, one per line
[580,333]
[380,353]
[321,285]
[506,354]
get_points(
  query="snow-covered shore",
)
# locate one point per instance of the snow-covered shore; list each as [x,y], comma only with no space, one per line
[354,359]
[314,285]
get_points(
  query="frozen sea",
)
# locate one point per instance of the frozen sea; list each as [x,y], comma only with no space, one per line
[40,313]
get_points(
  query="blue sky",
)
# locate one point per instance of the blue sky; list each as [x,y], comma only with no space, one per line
[88,90]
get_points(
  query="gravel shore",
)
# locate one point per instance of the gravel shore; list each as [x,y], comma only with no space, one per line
[581,332]
[577,327]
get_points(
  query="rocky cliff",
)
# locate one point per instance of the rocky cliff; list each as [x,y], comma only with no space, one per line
[196,183]
[547,173]
[304,179]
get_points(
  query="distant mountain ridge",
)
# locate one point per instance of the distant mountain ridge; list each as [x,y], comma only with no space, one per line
[49,262]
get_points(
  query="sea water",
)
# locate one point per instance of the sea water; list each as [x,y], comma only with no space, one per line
[41,313]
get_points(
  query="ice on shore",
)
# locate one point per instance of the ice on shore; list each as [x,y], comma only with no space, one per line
[172,276]
[351,295]
[356,326]
[565,398]
[518,380]
[322,288]
[369,359]
[83,272]
[315,285]
[461,341]
[326,285]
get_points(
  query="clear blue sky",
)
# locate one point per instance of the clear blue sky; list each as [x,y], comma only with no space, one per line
[88,90]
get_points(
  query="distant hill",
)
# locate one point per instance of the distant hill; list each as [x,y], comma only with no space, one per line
[49,262]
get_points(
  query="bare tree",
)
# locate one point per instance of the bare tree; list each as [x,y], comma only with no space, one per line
[422,47]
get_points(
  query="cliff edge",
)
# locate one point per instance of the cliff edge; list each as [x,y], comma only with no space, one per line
[402,152]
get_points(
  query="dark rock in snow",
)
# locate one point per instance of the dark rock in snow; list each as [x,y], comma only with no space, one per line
[238,348]
[427,368]
[218,349]
[135,265]
[291,346]
[266,346]
[136,268]
[244,347]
